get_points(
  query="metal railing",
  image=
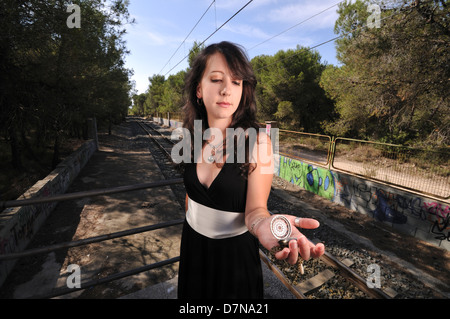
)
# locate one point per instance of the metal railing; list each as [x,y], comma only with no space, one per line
[315,148]
[420,170]
[77,195]
[424,171]
[58,198]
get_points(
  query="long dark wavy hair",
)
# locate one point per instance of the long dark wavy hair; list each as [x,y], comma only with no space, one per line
[245,115]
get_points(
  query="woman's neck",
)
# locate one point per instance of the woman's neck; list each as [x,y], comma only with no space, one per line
[220,124]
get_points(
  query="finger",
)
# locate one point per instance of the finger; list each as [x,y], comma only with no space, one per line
[282,254]
[293,254]
[306,223]
[318,250]
[304,247]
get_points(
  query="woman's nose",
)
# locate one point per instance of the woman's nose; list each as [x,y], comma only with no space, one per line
[225,90]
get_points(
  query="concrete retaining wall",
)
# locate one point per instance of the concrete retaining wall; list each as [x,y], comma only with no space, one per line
[167,122]
[19,224]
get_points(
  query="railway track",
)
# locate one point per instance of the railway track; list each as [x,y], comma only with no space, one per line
[162,142]
[160,148]
[331,267]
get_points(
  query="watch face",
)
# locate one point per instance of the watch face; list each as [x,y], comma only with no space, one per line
[280,227]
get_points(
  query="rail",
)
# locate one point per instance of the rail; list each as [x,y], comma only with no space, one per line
[327,258]
[64,291]
[315,148]
[90,240]
[325,143]
[421,170]
[77,195]
[99,192]
[344,270]
[58,198]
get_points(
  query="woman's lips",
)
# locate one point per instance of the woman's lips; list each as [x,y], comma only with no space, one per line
[223,104]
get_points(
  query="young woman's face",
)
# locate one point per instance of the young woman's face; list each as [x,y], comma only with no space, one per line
[220,91]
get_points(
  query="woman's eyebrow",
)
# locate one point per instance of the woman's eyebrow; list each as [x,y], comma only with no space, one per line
[222,72]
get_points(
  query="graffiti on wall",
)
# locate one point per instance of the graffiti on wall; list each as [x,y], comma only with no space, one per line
[384,211]
[440,216]
[314,179]
[382,202]
[387,204]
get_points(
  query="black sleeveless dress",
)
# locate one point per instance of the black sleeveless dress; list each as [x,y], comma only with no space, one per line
[225,268]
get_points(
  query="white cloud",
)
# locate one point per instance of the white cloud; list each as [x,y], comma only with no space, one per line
[234,5]
[152,37]
[155,38]
[247,30]
[306,10]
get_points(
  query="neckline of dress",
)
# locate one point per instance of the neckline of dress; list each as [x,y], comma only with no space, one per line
[207,188]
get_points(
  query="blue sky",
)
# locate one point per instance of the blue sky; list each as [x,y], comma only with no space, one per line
[162,26]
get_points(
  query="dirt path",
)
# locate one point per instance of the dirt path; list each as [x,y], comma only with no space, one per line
[121,160]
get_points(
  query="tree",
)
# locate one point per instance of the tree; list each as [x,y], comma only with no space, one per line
[288,88]
[54,77]
[391,85]
[155,93]
[196,48]
[138,104]
[166,95]
[172,96]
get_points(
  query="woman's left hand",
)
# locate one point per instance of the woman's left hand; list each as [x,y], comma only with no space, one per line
[301,246]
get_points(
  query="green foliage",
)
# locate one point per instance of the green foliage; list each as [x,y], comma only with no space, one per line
[154,94]
[196,48]
[165,95]
[172,99]
[54,77]
[288,89]
[393,82]
[138,104]
[391,85]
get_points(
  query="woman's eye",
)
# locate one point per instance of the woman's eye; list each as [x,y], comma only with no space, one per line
[216,80]
[238,83]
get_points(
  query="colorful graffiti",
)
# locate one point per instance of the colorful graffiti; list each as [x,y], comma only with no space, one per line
[314,179]
[440,216]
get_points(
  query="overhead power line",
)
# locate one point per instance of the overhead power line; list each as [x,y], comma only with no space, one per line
[296,25]
[213,33]
[325,42]
[213,2]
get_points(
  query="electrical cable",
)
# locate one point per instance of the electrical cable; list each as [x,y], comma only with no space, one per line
[296,25]
[213,33]
[325,42]
[213,2]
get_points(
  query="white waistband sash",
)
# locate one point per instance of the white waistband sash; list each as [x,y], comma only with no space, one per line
[214,223]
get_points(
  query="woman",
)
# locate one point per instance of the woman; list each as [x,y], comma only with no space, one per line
[226,198]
